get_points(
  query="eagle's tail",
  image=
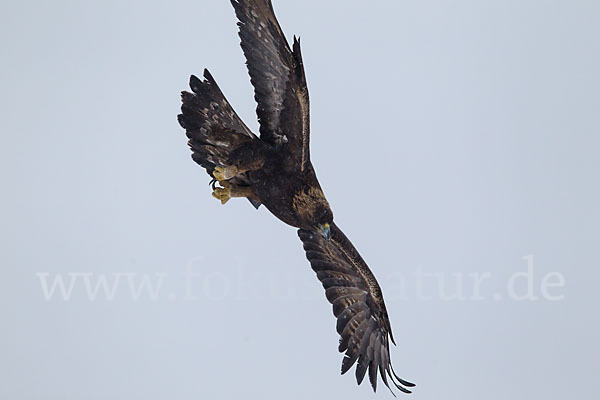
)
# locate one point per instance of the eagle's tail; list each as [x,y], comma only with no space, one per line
[212,126]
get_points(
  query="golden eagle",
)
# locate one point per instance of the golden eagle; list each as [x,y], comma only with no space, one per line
[275,170]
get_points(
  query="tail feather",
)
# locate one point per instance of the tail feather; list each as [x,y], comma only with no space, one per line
[212,126]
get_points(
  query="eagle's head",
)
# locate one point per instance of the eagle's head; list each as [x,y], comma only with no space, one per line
[313,210]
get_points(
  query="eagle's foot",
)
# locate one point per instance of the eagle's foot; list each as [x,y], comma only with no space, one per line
[223,194]
[225,173]
[213,183]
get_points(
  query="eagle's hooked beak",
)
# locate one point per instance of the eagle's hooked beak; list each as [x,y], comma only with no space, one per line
[325,230]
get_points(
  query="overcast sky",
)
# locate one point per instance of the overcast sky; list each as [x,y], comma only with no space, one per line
[457,142]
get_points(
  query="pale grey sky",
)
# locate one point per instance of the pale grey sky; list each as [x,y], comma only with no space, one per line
[452,138]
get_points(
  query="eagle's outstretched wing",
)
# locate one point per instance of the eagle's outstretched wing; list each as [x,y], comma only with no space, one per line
[277,74]
[362,319]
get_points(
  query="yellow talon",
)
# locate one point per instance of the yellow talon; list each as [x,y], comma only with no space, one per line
[222,194]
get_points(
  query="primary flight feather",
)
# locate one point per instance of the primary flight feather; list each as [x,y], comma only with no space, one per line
[274,170]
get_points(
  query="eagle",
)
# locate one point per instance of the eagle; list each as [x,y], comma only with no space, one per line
[274,169]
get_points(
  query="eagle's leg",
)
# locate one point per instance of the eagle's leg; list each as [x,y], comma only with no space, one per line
[249,156]
[223,174]
[228,191]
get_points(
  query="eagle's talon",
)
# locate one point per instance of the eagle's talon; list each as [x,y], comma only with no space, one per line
[223,194]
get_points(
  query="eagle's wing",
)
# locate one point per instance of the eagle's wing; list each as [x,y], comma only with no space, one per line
[362,319]
[277,74]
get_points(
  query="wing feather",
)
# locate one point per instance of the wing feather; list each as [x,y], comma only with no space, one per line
[373,361]
[357,302]
[363,359]
[342,302]
[277,74]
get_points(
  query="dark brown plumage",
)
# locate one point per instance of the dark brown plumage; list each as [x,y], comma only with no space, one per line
[275,170]
[362,319]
